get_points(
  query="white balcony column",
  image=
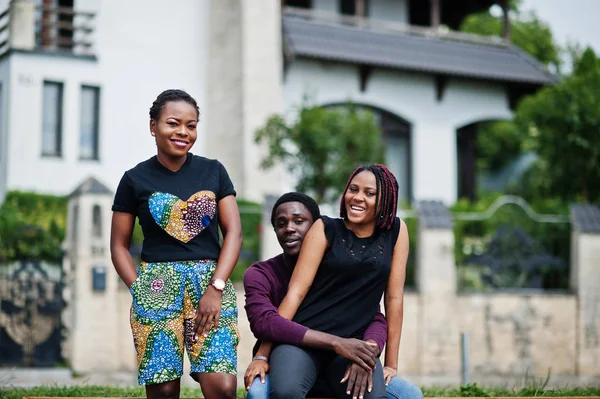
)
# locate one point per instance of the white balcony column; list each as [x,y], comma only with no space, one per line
[22,24]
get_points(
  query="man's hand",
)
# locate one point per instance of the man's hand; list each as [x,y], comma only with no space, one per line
[363,353]
[255,368]
[358,380]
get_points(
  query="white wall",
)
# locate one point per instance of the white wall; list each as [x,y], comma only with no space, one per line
[4,90]
[143,47]
[411,96]
[244,89]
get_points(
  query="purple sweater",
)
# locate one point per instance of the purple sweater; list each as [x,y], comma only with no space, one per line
[266,284]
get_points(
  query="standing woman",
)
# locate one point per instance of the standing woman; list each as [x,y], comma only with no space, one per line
[182,295]
[345,266]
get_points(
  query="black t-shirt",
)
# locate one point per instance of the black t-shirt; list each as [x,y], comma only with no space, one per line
[350,281]
[177,210]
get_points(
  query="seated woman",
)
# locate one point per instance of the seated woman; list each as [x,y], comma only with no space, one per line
[345,266]
[265,285]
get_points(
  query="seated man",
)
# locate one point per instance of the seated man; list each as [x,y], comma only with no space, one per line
[266,284]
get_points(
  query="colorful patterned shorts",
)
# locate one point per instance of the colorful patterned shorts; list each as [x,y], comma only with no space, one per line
[165,297]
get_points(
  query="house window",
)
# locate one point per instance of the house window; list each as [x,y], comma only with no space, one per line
[52,119]
[350,7]
[396,136]
[299,3]
[89,123]
[97,221]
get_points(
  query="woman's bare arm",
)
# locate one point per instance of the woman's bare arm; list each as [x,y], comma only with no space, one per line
[231,226]
[120,242]
[394,298]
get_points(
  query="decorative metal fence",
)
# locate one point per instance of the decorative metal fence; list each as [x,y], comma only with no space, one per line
[510,245]
[31,304]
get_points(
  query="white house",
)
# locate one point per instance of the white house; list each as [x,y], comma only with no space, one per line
[77,78]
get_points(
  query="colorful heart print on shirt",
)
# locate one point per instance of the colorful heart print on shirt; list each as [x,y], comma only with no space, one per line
[183,220]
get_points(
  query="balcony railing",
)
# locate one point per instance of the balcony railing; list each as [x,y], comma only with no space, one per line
[25,26]
[4,30]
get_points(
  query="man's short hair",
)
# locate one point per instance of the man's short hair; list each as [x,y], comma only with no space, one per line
[308,202]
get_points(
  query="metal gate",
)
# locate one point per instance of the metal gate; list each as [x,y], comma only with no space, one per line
[31,303]
[514,257]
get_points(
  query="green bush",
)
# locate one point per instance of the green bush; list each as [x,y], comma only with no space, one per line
[251,215]
[472,237]
[411,264]
[32,227]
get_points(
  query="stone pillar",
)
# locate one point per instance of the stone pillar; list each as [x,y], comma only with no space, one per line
[22,24]
[97,316]
[439,338]
[585,281]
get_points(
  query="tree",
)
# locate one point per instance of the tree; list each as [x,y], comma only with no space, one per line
[527,32]
[323,146]
[563,122]
[499,142]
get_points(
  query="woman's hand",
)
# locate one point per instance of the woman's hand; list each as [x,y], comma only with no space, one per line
[388,373]
[255,368]
[208,312]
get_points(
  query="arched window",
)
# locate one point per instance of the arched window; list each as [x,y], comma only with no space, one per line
[396,134]
[396,137]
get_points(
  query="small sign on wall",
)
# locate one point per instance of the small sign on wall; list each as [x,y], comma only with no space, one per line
[99,278]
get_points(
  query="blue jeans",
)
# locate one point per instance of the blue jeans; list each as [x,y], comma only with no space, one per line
[398,388]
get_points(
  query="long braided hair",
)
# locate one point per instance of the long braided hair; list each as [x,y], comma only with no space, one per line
[387,194]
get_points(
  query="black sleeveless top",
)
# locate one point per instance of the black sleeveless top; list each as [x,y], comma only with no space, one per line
[350,281]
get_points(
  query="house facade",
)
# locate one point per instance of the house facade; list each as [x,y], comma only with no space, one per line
[77,78]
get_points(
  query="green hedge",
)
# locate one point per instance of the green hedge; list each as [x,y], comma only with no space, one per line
[250,214]
[411,263]
[32,227]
